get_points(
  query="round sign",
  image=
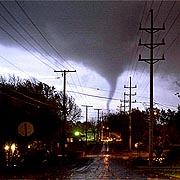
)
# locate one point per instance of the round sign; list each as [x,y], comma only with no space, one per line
[25,129]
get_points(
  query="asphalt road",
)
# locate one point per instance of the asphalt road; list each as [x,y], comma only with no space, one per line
[108,166]
[104,165]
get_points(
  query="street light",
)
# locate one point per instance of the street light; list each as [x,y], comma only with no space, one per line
[103,132]
[77,133]
[108,132]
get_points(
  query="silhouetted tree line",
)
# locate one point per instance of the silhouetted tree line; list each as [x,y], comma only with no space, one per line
[166,127]
[35,102]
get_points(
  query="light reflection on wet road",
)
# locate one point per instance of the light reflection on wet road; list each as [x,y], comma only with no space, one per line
[105,166]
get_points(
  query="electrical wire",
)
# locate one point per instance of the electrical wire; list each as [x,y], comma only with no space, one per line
[25,47]
[15,19]
[20,26]
[14,28]
[47,41]
[36,27]
[15,66]
[136,49]
[146,41]
[26,97]
[94,95]
[136,62]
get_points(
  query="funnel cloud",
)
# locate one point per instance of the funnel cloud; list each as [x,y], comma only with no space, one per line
[101,35]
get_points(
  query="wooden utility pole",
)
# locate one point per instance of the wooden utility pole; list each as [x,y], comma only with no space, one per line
[151,61]
[86,124]
[64,139]
[99,125]
[124,102]
[130,95]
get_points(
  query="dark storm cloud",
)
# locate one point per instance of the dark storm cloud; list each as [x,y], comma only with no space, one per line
[99,34]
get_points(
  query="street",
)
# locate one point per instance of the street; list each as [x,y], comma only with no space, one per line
[108,166]
[104,165]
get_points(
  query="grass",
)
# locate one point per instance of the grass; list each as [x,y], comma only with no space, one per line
[164,170]
[168,171]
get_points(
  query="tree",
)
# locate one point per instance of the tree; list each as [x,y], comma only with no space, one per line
[93,128]
[139,126]
[119,123]
[165,130]
[176,128]
[34,101]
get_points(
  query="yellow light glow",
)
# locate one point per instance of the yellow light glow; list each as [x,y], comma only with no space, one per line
[6,147]
[77,133]
[13,147]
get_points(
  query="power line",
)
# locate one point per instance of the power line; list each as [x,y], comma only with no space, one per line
[135,52]
[47,41]
[158,10]
[15,29]
[25,47]
[15,66]
[168,14]
[172,42]
[11,15]
[93,95]
[24,30]
[36,27]
[17,99]
[27,97]
[166,18]
[135,62]
[82,90]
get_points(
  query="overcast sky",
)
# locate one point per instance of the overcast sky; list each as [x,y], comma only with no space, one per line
[98,39]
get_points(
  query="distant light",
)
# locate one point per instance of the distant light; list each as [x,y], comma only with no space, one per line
[6,147]
[13,147]
[77,133]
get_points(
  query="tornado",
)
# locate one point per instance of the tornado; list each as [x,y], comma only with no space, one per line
[113,84]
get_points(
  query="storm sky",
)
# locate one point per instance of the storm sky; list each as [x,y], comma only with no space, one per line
[98,39]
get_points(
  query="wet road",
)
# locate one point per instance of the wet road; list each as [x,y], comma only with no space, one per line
[106,166]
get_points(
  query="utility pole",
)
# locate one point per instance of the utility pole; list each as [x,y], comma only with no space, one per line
[130,95]
[102,126]
[86,124]
[125,101]
[64,139]
[151,61]
[99,125]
